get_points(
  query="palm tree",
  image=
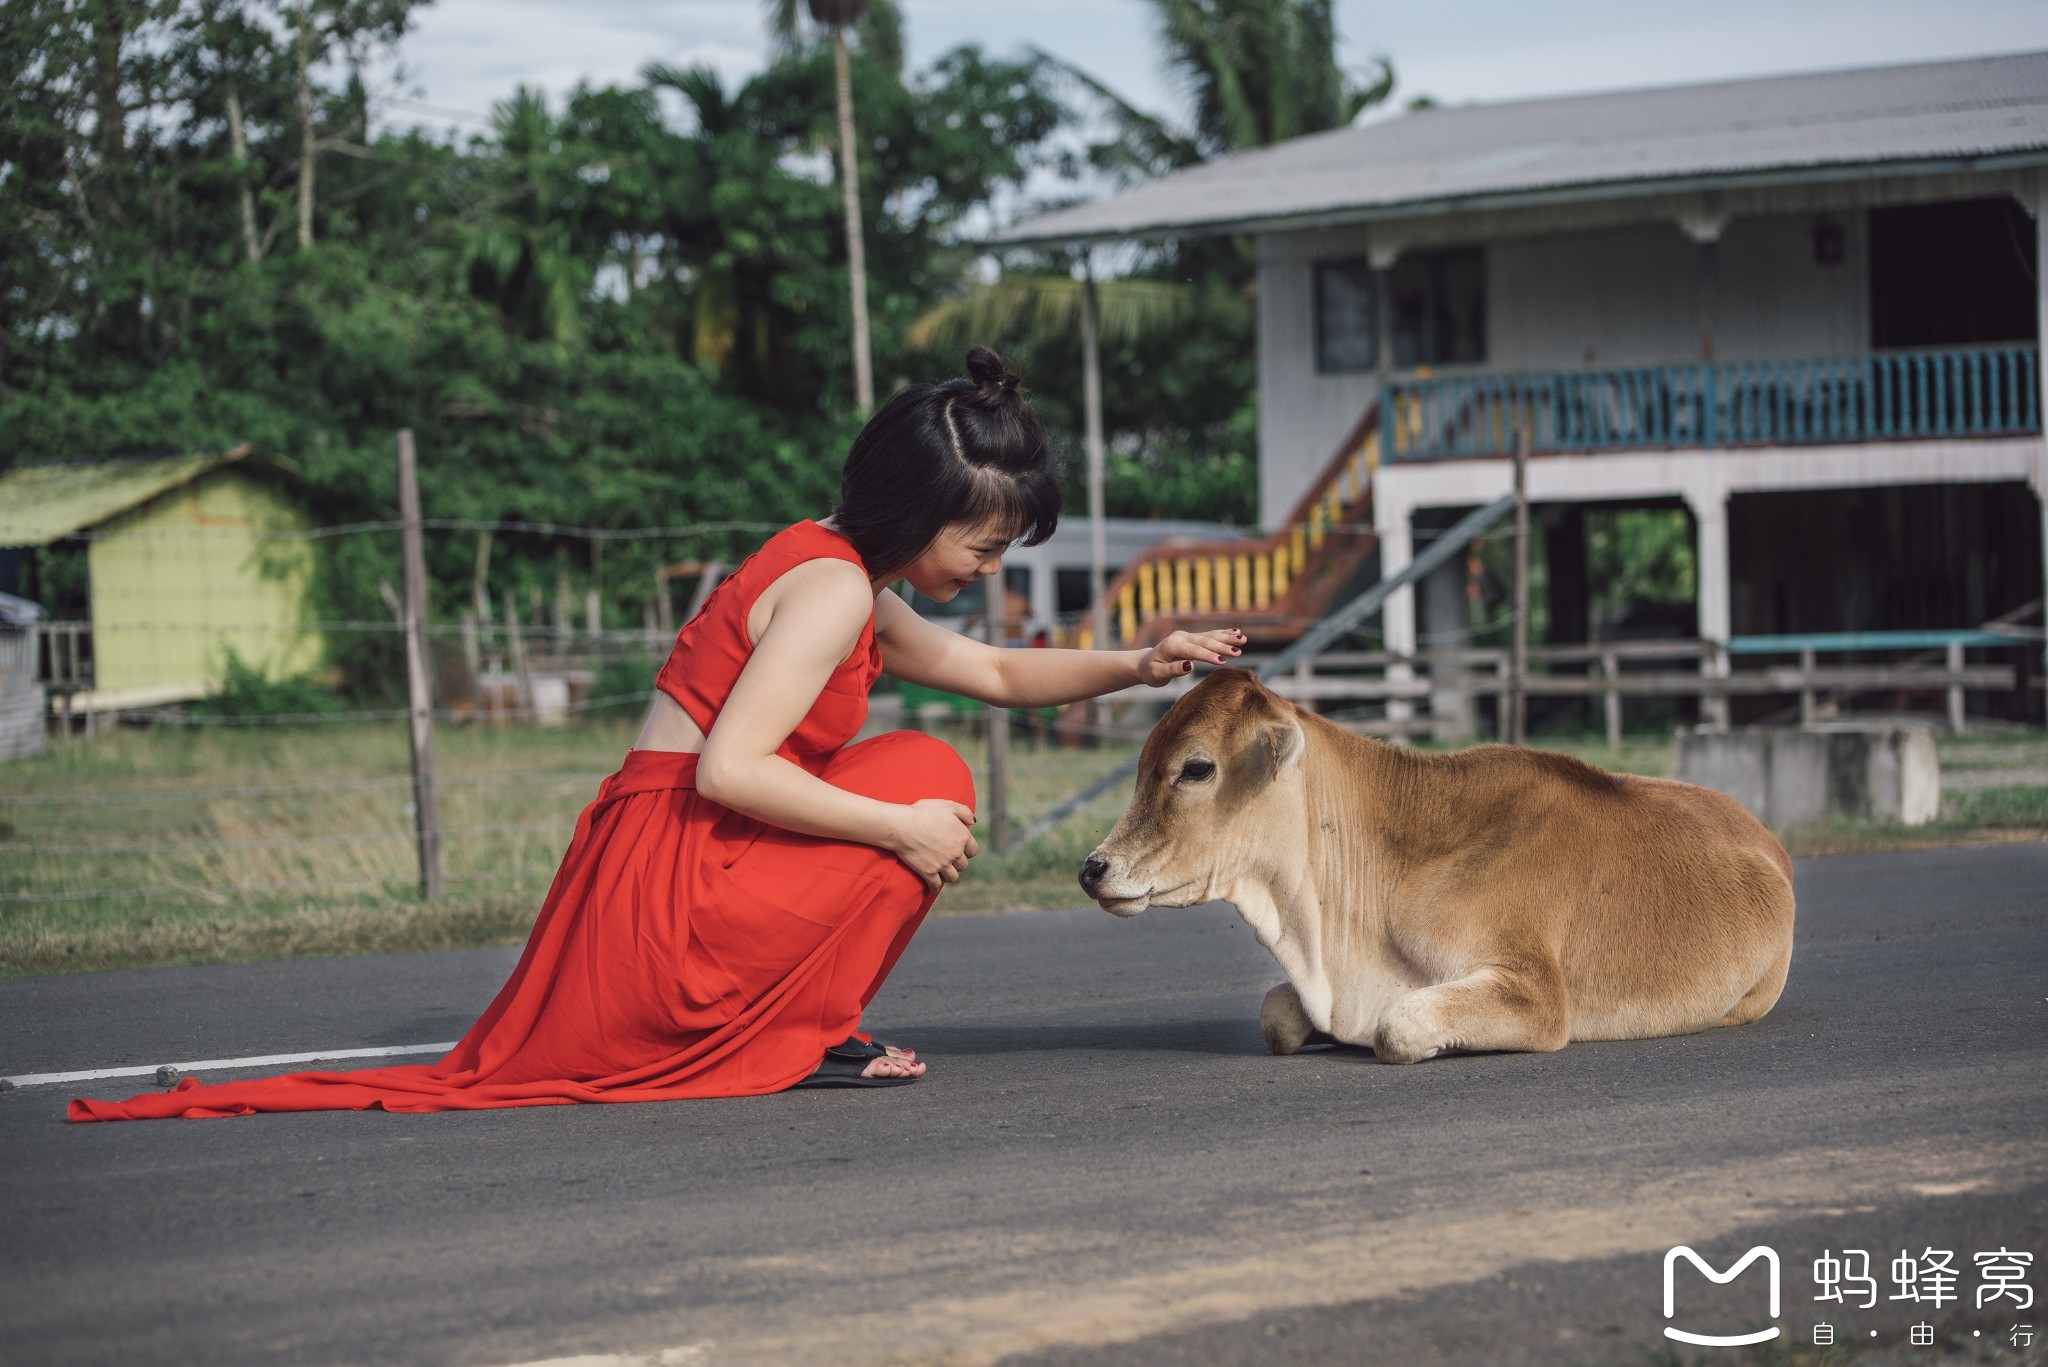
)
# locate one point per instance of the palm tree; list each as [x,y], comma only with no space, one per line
[517,252]
[1260,71]
[881,27]
[1049,305]
[1255,71]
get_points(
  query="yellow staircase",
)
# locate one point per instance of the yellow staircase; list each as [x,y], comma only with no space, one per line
[1272,587]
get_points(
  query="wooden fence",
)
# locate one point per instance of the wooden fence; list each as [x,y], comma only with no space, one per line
[1630,669]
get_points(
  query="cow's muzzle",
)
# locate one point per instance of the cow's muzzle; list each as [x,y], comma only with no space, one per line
[1097,883]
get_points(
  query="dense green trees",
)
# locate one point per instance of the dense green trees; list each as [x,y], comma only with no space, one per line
[623,308]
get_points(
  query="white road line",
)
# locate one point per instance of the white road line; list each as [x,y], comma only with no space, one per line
[255,1061]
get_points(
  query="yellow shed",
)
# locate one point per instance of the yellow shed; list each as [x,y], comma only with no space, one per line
[187,558]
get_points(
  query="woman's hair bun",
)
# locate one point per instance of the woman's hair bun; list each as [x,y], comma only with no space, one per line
[994,382]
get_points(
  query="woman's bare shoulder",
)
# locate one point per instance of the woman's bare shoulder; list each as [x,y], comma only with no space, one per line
[828,592]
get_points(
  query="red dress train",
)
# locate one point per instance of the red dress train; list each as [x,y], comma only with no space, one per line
[684,950]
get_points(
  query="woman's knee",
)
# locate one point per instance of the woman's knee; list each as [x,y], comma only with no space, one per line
[903,766]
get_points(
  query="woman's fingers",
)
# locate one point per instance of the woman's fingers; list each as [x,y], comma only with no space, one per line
[973,847]
[1214,647]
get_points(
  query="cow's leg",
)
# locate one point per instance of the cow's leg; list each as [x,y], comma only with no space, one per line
[1284,1021]
[1519,1007]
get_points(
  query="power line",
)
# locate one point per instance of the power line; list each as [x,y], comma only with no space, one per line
[441,524]
[267,842]
[289,789]
[218,891]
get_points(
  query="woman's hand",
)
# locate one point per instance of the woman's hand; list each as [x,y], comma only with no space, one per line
[932,837]
[1176,655]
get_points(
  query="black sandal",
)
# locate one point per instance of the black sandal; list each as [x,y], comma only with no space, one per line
[871,1048]
[845,1065]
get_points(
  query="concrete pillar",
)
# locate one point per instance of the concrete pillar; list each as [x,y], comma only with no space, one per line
[1397,548]
[1447,623]
[1710,515]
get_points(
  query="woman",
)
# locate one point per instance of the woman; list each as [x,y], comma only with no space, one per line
[741,887]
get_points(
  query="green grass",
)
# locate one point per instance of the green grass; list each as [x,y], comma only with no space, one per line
[273,841]
[216,844]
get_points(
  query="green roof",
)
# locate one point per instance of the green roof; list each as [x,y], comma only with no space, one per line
[41,503]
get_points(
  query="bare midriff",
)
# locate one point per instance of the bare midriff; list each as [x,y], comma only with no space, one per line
[668,727]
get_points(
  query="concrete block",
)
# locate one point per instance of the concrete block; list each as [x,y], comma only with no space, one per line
[1789,777]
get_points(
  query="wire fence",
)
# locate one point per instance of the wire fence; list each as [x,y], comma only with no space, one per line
[524,672]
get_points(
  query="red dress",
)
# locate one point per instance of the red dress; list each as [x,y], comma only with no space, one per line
[684,950]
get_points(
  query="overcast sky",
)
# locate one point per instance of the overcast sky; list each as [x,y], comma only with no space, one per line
[466,54]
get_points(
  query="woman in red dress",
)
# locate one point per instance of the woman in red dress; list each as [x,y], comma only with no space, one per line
[741,887]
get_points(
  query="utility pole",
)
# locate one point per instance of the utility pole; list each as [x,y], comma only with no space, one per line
[307,150]
[1518,653]
[998,719]
[836,15]
[418,690]
[1091,401]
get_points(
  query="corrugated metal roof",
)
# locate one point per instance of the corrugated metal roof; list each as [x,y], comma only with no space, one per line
[40,503]
[1636,141]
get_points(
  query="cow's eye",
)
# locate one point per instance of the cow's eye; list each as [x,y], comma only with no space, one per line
[1195,770]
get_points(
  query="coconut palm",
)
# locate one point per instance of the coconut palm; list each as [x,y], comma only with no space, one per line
[519,254]
[1254,72]
[1260,71]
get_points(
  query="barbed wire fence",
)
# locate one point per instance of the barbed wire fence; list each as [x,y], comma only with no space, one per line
[497,667]
[87,834]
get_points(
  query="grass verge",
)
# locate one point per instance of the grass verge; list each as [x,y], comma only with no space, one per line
[210,845]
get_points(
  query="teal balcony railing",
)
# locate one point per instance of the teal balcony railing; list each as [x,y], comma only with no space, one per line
[1979,391]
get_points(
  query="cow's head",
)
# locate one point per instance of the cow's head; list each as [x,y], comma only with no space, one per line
[1219,792]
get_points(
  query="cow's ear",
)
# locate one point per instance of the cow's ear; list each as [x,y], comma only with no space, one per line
[1283,743]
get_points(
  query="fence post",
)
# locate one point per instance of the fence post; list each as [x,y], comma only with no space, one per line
[1610,665]
[418,691]
[664,621]
[1955,690]
[1809,708]
[515,645]
[1518,655]
[998,719]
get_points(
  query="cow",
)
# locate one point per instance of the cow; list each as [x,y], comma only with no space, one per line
[1497,898]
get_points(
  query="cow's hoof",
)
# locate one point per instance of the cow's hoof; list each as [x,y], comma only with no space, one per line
[1401,1040]
[1282,1020]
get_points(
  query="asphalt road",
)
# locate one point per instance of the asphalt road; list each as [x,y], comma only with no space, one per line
[1104,1166]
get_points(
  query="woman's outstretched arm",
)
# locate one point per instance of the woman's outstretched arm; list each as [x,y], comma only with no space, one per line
[814,622]
[922,653]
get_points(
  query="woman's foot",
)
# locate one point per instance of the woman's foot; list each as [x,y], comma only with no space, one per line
[857,1063]
[875,1048]
[889,1065]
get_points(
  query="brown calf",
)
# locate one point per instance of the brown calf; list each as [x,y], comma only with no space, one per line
[1494,899]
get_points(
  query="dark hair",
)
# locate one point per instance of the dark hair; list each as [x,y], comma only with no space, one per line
[960,451]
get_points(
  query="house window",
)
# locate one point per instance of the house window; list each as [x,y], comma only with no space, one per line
[1347,323]
[1955,274]
[1439,307]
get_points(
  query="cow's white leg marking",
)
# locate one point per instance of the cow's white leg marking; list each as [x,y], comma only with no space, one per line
[1299,957]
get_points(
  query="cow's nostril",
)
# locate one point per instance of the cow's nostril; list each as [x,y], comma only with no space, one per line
[1092,871]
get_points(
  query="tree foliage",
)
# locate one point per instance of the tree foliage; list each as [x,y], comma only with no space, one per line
[622,307]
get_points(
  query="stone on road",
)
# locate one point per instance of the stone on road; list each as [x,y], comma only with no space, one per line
[1104,1165]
